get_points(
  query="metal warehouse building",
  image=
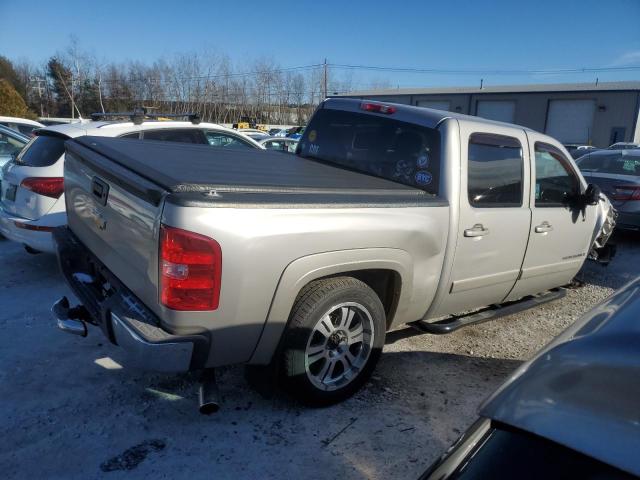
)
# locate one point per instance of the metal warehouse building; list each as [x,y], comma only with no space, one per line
[597,114]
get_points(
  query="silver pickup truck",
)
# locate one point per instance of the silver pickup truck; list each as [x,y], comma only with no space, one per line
[190,258]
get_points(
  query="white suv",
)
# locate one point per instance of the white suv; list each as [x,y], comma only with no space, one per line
[32,195]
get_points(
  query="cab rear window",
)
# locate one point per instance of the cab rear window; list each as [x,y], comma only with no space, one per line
[42,151]
[375,145]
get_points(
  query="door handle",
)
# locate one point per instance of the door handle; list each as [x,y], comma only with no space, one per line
[477,230]
[544,227]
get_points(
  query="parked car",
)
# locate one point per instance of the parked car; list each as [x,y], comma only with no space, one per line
[32,199]
[281,132]
[11,143]
[49,121]
[296,133]
[571,412]
[22,125]
[624,146]
[617,173]
[388,214]
[280,144]
[255,134]
[577,150]
[273,131]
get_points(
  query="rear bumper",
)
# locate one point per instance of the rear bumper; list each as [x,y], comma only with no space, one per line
[34,233]
[124,320]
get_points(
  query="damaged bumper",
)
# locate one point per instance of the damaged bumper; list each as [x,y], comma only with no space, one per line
[124,320]
[601,250]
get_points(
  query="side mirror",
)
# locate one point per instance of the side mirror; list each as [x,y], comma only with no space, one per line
[592,194]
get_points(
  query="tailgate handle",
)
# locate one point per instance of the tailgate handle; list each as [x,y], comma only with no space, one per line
[100,190]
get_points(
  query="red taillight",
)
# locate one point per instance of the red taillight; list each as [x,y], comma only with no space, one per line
[48,186]
[377,108]
[625,193]
[190,270]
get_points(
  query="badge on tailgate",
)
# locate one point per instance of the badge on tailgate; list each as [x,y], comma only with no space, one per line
[100,190]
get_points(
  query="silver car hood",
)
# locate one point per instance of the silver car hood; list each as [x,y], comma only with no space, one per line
[583,389]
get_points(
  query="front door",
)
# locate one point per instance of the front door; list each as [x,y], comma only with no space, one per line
[561,232]
[494,218]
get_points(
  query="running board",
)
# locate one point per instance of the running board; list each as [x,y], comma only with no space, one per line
[453,323]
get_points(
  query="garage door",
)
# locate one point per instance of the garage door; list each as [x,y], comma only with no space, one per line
[500,110]
[571,121]
[435,104]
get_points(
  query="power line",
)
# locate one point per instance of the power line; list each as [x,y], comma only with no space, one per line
[442,71]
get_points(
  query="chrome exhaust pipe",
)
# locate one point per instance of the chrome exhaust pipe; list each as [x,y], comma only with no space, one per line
[60,311]
[208,394]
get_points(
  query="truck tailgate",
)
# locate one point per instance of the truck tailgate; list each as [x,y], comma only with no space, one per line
[119,224]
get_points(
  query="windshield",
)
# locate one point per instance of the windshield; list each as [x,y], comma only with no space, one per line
[42,151]
[375,145]
[615,163]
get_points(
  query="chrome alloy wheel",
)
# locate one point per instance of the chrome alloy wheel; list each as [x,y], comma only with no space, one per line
[339,346]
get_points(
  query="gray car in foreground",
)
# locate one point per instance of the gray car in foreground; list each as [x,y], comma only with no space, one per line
[192,258]
[617,173]
[571,412]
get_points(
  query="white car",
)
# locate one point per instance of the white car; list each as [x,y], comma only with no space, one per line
[254,133]
[32,196]
[22,125]
[280,144]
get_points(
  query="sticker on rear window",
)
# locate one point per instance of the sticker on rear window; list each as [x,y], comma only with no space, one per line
[312,136]
[423,160]
[423,177]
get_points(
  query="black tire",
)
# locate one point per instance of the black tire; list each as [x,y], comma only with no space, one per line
[312,304]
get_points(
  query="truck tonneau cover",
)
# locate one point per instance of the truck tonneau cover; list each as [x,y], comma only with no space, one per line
[187,169]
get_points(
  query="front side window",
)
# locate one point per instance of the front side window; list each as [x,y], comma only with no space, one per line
[375,145]
[495,171]
[220,139]
[556,182]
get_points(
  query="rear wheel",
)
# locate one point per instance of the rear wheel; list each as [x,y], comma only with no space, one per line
[334,340]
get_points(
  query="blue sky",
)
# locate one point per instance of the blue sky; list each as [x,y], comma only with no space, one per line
[457,34]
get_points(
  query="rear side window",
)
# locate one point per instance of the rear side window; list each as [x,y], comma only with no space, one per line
[219,139]
[27,129]
[42,151]
[375,145]
[495,171]
[134,135]
[184,135]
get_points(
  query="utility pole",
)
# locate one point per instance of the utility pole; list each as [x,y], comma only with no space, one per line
[36,84]
[324,82]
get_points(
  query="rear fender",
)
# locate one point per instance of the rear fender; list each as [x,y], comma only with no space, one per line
[312,267]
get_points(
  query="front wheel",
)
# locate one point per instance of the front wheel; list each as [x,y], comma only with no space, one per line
[334,340]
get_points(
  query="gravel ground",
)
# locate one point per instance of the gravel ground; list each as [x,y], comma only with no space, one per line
[68,411]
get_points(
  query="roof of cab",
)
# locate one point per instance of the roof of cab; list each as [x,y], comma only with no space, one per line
[420,115]
[582,390]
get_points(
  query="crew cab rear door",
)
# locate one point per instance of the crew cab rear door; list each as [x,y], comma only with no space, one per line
[494,216]
[561,231]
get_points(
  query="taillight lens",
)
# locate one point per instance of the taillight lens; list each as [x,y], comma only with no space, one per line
[48,186]
[377,108]
[190,270]
[624,193]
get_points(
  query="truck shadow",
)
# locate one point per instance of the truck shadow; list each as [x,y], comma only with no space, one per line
[414,406]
